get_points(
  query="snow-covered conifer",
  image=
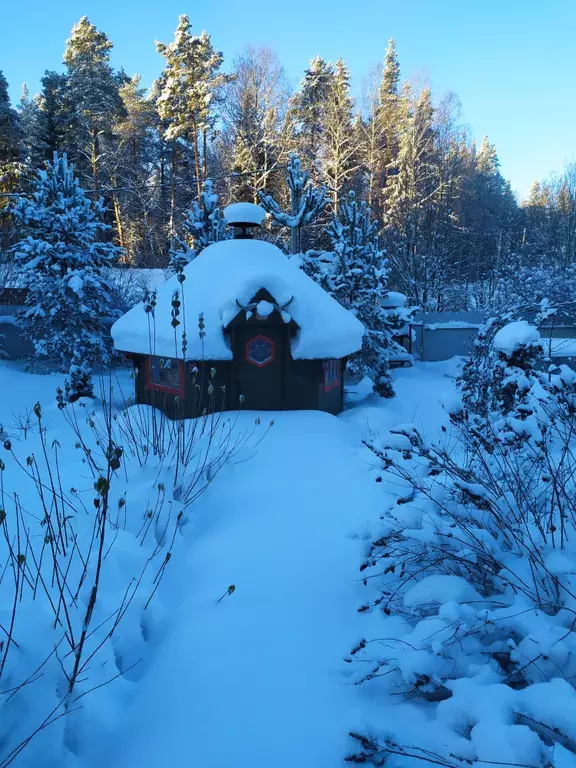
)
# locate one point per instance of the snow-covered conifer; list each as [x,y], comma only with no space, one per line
[53,116]
[187,91]
[309,201]
[28,112]
[11,154]
[61,258]
[355,272]
[92,93]
[204,224]
[309,111]
[340,157]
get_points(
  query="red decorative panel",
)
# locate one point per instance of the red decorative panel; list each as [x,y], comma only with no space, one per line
[260,351]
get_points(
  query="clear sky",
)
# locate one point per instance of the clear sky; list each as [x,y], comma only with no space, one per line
[511,62]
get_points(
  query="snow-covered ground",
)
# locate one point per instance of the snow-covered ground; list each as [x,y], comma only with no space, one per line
[259,675]
[256,678]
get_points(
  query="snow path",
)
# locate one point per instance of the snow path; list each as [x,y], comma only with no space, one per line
[258,678]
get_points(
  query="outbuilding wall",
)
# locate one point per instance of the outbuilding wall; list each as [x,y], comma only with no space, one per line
[12,342]
[208,390]
[442,335]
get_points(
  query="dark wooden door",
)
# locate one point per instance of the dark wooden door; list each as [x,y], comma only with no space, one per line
[259,361]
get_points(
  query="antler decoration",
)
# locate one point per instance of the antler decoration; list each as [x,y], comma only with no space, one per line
[249,309]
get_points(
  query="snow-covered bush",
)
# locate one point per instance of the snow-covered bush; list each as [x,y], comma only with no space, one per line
[472,572]
[91,513]
[520,284]
[61,256]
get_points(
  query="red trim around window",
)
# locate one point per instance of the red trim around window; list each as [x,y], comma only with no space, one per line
[176,391]
[332,374]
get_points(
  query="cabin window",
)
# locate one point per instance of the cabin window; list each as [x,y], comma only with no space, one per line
[331,374]
[260,351]
[165,375]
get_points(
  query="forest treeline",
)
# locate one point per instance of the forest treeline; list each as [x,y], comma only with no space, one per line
[453,232]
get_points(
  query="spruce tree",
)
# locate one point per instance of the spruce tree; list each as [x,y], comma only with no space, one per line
[28,111]
[309,112]
[388,115]
[390,75]
[412,196]
[62,256]
[355,273]
[54,117]
[490,214]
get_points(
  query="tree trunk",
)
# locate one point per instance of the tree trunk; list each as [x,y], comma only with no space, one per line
[94,160]
[205,154]
[119,227]
[197,164]
[173,190]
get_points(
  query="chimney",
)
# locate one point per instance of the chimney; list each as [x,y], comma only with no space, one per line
[244,217]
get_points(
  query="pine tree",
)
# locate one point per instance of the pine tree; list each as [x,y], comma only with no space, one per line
[11,157]
[133,167]
[356,274]
[93,93]
[308,202]
[187,92]
[61,257]
[204,224]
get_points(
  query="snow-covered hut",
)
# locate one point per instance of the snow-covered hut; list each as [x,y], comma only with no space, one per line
[242,326]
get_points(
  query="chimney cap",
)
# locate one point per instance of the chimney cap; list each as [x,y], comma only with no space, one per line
[244,215]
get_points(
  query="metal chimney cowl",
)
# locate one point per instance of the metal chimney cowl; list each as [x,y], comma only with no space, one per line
[244,217]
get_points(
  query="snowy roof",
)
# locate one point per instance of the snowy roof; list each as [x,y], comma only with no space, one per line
[234,270]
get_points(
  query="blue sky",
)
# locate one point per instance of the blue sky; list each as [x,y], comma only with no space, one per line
[511,62]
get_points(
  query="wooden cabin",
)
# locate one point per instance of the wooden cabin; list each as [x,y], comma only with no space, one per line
[242,327]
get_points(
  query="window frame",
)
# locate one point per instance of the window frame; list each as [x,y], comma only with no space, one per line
[176,391]
[332,369]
